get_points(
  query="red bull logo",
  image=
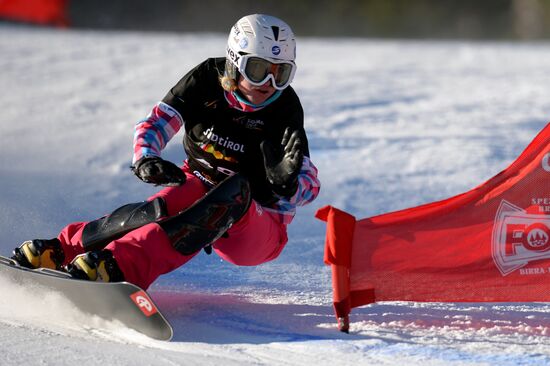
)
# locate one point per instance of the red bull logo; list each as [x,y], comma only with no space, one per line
[519,238]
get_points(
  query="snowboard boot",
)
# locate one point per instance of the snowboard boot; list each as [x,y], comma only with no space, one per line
[97,265]
[40,253]
[209,218]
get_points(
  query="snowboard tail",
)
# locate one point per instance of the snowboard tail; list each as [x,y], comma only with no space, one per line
[121,301]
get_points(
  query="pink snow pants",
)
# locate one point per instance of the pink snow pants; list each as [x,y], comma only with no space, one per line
[146,253]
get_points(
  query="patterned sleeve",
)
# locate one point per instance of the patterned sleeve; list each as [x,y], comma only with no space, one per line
[153,133]
[308,189]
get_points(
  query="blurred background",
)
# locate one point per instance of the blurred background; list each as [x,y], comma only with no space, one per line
[439,19]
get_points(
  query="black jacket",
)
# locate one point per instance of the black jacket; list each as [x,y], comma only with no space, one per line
[220,139]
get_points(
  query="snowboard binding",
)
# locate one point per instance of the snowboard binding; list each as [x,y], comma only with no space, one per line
[97,265]
[40,253]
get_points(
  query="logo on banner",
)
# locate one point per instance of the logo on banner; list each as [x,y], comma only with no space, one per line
[519,238]
[546,162]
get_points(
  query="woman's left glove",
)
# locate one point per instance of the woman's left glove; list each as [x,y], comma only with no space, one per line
[282,163]
[155,170]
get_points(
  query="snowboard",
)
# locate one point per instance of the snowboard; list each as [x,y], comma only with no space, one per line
[121,301]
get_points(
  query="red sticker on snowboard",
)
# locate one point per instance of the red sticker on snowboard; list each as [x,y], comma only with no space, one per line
[144,303]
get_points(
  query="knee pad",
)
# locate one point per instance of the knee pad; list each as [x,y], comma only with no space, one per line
[98,233]
[209,218]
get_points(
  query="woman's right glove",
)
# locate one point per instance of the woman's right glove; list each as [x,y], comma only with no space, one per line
[283,163]
[157,171]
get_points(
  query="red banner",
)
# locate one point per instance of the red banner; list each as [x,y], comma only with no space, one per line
[52,12]
[491,244]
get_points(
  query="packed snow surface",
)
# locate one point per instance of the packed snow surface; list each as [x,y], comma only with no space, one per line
[391,124]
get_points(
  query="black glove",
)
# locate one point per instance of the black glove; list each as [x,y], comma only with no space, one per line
[155,170]
[282,163]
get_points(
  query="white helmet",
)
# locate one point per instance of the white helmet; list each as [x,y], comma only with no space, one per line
[257,38]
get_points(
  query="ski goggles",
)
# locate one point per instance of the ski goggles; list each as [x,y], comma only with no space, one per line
[257,71]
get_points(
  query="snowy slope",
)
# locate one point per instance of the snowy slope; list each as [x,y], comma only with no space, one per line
[392,124]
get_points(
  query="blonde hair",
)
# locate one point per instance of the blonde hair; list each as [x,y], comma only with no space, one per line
[228,84]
